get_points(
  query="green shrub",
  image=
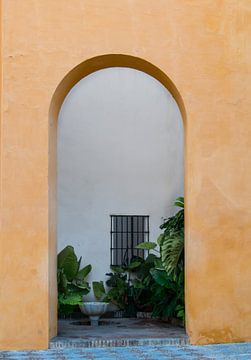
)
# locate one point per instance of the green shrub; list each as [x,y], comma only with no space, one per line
[71,281]
[155,284]
[168,274]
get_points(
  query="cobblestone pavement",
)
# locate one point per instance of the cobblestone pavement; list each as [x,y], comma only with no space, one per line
[187,352]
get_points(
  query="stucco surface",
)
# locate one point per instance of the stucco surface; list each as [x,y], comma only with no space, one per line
[203,47]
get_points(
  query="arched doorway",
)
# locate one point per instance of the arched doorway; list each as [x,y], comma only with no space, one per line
[71,79]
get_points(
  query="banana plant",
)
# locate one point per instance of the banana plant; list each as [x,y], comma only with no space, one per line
[72,284]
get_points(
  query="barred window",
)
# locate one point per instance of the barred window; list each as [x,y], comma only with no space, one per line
[127,231]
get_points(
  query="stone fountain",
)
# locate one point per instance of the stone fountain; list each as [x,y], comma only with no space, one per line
[94,310]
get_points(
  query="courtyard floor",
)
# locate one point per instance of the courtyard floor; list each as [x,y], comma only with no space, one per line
[127,339]
[186,352]
[117,332]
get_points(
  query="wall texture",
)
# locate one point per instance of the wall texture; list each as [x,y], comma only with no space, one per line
[120,151]
[203,47]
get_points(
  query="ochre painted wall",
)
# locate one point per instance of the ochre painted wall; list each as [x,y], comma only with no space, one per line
[202,47]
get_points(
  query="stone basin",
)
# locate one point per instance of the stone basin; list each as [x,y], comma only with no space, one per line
[94,310]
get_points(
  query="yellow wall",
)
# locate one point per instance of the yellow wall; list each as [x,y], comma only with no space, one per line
[202,47]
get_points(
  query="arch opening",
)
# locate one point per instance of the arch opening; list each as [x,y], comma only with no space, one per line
[71,79]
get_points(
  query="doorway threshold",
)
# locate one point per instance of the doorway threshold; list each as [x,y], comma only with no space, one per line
[117,333]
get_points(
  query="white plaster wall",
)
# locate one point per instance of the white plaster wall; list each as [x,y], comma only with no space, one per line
[120,151]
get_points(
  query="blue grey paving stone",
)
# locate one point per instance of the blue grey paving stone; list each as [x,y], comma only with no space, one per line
[117,332]
[186,352]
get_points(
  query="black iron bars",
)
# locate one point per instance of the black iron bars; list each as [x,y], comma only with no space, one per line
[127,231]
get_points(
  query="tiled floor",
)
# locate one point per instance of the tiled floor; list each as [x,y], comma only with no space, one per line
[117,332]
[187,352]
[110,341]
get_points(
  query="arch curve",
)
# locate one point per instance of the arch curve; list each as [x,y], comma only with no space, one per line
[111,60]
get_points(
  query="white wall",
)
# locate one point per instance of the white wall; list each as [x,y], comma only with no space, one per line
[120,151]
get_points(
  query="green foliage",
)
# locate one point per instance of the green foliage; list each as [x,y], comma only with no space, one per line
[180,311]
[99,290]
[67,260]
[167,294]
[148,288]
[118,289]
[172,252]
[164,275]
[153,284]
[71,281]
[171,241]
[179,202]
[147,245]
[128,286]
[82,274]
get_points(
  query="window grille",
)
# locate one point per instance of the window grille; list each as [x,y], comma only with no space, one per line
[127,231]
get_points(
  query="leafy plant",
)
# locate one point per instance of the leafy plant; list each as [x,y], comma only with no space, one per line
[99,290]
[171,241]
[168,273]
[119,290]
[128,286]
[71,281]
[153,284]
[168,294]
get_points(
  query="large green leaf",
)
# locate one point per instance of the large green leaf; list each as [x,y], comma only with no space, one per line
[137,284]
[158,264]
[84,272]
[179,202]
[71,282]
[159,276]
[81,284]
[134,265]
[98,289]
[180,311]
[148,245]
[169,309]
[71,299]
[115,279]
[117,269]
[160,239]
[63,282]
[150,259]
[171,251]
[68,261]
